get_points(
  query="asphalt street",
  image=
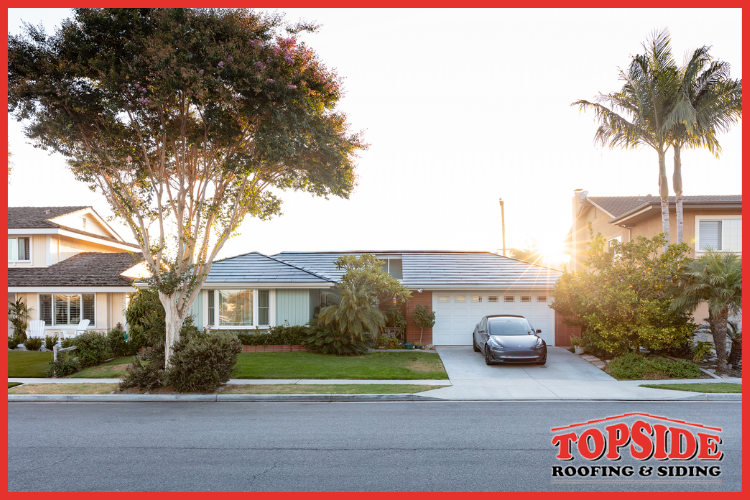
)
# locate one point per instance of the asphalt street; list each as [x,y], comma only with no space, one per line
[413,446]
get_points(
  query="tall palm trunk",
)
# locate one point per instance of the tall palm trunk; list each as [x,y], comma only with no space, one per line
[718,325]
[664,193]
[677,186]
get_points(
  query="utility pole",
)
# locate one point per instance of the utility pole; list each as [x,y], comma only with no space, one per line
[502,218]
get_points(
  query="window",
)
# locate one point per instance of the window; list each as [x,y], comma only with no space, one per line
[723,235]
[239,308]
[509,298]
[444,298]
[611,244]
[541,298]
[393,267]
[61,309]
[19,249]
[492,298]
[525,298]
[476,298]
[235,307]
[460,298]
[263,307]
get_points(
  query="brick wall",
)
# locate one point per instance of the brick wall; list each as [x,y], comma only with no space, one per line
[564,331]
[412,330]
[273,348]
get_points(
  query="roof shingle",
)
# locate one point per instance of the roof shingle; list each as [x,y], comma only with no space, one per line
[620,205]
[84,269]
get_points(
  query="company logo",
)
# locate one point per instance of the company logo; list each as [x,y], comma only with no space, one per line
[642,438]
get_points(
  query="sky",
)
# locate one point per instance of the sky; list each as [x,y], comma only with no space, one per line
[460,108]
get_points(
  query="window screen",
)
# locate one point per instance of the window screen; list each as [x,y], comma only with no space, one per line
[89,309]
[19,249]
[263,307]
[45,308]
[211,307]
[509,298]
[710,234]
[236,307]
[731,235]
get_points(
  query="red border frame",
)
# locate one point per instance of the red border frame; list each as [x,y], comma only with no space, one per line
[372,4]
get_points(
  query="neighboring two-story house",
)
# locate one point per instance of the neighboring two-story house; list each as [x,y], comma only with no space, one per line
[709,221]
[68,264]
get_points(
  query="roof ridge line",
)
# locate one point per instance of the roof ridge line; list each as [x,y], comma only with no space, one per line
[300,268]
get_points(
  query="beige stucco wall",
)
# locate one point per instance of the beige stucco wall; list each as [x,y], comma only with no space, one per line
[118,309]
[598,220]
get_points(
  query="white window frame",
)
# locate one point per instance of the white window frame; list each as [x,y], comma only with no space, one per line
[271,309]
[52,326]
[617,239]
[699,218]
[31,249]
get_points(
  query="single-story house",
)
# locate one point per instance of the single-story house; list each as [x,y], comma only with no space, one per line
[257,291]
[68,264]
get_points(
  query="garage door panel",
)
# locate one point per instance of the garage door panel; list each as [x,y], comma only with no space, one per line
[455,321]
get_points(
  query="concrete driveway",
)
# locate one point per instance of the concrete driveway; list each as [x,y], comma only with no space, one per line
[566,376]
[463,364]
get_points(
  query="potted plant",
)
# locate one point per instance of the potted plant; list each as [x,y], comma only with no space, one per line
[575,343]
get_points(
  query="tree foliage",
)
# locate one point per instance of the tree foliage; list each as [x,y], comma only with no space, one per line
[622,299]
[366,269]
[714,278]
[423,317]
[187,120]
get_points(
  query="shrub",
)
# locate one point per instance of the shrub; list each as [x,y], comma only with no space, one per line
[388,342]
[201,362]
[32,344]
[117,341]
[328,341]
[394,317]
[276,335]
[92,348]
[702,349]
[64,366]
[632,366]
[50,341]
[13,342]
[147,369]
[18,316]
[622,300]
[68,342]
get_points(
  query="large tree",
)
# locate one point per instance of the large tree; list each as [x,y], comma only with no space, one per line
[187,120]
[708,102]
[635,116]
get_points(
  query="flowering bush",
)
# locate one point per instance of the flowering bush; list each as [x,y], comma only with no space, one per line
[622,299]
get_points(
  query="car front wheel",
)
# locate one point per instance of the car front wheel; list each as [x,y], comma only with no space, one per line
[487,358]
[474,343]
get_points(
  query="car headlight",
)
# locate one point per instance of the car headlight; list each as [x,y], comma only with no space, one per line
[539,344]
[494,344]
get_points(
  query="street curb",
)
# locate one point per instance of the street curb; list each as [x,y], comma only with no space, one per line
[309,398]
[211,398]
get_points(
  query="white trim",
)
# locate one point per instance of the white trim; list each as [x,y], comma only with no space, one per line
[487,286]
[89,211]
[68,289]
[699,218]
[269,286]
[217,309]
[71,234]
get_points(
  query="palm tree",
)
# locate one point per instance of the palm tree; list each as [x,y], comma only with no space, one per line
[356,314]
[708,101]
[715,278]
[635,116]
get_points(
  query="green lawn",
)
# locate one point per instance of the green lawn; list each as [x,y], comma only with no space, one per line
[378,366]
[13,384]
[329,389]
[114,368]
[719,387]
[28,364]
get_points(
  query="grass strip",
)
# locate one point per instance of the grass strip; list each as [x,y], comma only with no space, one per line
[64,389]
[13,384]
[719,387]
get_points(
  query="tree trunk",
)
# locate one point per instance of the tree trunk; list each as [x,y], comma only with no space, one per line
[677,186]
[664,194]
[173,323]
[719,332]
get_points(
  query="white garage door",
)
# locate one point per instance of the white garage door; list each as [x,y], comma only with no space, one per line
[457,312]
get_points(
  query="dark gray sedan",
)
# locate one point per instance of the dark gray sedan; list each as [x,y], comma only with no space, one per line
[506,338]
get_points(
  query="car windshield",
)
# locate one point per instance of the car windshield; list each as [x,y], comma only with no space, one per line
[509,326]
